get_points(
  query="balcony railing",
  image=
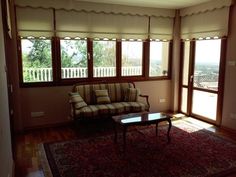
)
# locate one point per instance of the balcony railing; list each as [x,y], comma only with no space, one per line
[45,74]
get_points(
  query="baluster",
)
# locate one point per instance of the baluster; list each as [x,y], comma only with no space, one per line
[43,76]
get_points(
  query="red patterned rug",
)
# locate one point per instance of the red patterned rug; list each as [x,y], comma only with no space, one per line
[192,152]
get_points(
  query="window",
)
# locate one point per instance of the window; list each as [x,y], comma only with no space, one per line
[132,55]
[36,60]
[104,58]
[207,64]
[159,58]
[64,47]
[74,62]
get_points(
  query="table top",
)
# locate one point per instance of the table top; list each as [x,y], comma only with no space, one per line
[143,117]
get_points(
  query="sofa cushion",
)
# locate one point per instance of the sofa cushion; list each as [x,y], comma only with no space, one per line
[78,100]
[102,97]
[93,111]
[137,106]
[117,91]
[131,94]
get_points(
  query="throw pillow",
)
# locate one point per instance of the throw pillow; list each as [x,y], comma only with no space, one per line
[77,99]
[102,97]
[131,94]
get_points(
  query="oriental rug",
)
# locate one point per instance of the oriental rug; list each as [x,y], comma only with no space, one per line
[192,152]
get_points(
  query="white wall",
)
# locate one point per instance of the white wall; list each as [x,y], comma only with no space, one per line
[229,111]
[5,136]
[53,101]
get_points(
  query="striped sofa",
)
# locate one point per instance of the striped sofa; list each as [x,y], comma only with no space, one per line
[117,105]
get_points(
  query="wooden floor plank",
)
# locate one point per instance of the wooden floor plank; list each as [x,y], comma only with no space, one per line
[27,160]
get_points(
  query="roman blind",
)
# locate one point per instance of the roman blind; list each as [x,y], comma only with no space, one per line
[161,28]
[34,22]
[205,20]
[100,25]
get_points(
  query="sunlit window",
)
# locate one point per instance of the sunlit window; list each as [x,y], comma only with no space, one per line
[132,52]
[36,60]
[74,59]
[104,58]
[159,58]
[207,64]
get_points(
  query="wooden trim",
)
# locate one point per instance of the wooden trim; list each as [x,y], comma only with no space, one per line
[67,82]
[221,81]
[170,59]
[182,47]
[90,58]
[205,90]
[118,58]
[205,119]
[228,129]
[191,72]
[54,47]
[146,58]
[20,61]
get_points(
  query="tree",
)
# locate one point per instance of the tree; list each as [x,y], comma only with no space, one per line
[40,54]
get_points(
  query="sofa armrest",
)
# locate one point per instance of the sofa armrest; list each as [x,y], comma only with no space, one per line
[72,107]
[146,97]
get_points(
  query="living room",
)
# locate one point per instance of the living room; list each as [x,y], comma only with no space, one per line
[37,97]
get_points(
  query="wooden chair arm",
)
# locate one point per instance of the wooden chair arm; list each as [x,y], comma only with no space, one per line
[72,104]
[146,98]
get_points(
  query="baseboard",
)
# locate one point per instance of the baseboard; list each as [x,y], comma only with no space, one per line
[228,129]
[61,124]
[13,169]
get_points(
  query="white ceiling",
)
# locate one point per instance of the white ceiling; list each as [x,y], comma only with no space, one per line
[169,4]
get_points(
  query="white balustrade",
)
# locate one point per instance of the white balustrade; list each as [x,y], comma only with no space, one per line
[45,74]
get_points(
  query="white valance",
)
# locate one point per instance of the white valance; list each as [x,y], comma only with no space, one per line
[100,25]
[161,28]
[93,20]
[205,20]
[205,7]
[34,22]
[97,7]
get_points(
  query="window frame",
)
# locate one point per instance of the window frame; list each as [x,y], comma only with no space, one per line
[56,66]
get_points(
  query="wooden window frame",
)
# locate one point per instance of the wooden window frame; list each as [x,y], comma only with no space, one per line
[219,92]
[56,66]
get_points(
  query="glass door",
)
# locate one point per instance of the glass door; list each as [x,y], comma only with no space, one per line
[206,78]
[202,79]
[185,77]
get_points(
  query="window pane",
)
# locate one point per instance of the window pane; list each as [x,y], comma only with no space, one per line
[104,58]
[159,59]
[74,59]
[186,62]
[204,104]
[132,58]
[36,60]
[184,100]
[207,61]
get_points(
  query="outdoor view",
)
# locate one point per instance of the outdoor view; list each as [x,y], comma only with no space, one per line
[104,58]
[132,54]
[74,59]
[37,59]
[207,59]
[158,58]
[206,75]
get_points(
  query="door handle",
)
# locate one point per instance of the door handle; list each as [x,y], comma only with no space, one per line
[191,78]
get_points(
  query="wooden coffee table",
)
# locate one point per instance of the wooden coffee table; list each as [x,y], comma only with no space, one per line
[144,118]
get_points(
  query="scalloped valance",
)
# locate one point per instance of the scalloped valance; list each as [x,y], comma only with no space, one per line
[205,20]
[205,7]
[97,7]
[90,23]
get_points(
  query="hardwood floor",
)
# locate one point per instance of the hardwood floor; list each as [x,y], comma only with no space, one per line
[27,161]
